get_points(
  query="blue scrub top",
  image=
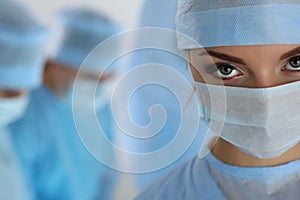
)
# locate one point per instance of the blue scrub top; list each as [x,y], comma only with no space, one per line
[57,163]
[13,184]
[209,178]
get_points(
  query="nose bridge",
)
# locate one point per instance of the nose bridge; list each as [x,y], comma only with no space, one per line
[265,76]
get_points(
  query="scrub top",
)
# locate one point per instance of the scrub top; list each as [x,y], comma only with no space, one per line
[209,178]
[57,162]
[13,184]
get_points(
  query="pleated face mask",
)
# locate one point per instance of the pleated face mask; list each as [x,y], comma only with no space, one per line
[12,108]
[263,122]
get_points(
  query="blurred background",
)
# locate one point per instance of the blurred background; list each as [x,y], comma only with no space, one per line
[123,12]
[49,126]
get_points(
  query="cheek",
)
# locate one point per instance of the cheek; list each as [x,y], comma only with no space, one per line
[200,75]
[196,74]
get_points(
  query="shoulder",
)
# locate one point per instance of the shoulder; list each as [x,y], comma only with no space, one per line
[180,183]
[192,180]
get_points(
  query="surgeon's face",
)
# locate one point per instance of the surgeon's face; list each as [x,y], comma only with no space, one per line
[258,66]
[4,93]
[60,76]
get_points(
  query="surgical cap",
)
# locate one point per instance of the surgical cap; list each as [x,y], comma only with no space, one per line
[22,44]
[83,30]
[237,22]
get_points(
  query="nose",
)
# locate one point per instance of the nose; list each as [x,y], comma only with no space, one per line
[265,78]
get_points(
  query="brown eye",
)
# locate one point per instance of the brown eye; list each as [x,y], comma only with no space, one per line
[226,71]
[294,63]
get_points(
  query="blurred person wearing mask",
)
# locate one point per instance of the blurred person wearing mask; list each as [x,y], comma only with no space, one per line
[72,172]
[22,43]
[155,13]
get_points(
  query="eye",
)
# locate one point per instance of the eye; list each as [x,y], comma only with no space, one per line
[226,71]
[293,64]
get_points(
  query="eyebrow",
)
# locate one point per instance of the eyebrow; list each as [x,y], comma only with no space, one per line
[291,53]
[223,56]
[234,59]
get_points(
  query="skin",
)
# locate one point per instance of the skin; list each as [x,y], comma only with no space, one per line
[10,93]
[58,77]
[259,66]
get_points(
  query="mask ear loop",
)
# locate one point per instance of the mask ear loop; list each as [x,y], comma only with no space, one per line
[195,89]
[206,145]
[210,138]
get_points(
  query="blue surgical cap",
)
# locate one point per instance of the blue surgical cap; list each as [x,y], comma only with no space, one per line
[83,30]
[22,45]
[238,22]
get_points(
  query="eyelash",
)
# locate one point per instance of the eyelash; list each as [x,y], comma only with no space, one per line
[212,69]
[288,63]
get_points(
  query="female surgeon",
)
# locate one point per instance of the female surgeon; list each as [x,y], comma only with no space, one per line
[251,55]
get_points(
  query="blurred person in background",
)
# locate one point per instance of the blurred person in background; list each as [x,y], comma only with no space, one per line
[64,169]
[22,44]
[160,14]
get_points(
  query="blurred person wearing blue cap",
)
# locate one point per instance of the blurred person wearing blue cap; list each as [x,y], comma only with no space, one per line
[246,74]
[67,170]
[22,44]
[160,14]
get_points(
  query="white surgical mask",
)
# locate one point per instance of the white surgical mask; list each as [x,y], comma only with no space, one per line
[264,122]
[12,108]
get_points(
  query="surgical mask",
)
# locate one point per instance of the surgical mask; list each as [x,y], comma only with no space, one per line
[263,122]
[12,109]
[85,88]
